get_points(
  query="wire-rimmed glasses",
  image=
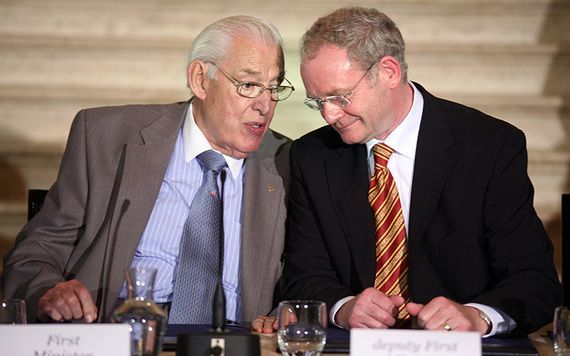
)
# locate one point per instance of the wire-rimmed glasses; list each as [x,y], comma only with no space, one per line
[341,100]
[252,89]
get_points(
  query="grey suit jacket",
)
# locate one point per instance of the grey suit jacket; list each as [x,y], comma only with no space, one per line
[95,213]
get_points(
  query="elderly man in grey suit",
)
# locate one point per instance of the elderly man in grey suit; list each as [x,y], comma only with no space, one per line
[129,175]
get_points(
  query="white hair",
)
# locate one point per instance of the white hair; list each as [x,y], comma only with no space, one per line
[214,42]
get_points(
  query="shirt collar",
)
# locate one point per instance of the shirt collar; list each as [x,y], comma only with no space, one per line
[195,143]
[404,138]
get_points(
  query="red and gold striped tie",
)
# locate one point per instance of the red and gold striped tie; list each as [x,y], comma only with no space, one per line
[391,246]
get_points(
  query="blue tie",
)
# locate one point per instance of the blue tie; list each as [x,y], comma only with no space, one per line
[197,270]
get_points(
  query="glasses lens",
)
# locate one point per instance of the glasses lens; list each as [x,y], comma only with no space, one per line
[250,90]
[339,101]
[280,93]
[314,104]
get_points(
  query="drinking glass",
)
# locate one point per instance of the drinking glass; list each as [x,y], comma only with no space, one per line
[147,321]
[301,327]
[561,331]
[13,311]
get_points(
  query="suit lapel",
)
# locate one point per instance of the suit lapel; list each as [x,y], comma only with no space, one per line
[348,184]
[433,163]
[263,194]
[144,169]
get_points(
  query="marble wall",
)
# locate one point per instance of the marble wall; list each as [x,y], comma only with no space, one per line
[509,58]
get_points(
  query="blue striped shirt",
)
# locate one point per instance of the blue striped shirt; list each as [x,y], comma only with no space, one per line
[160,243]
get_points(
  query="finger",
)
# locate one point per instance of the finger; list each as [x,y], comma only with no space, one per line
[398,300]
[59,303]
[87,305]
[438,323]
[373,317]
[385,311]
[292,318]
[385,303]
[72,300]
[264,324]
[437,314]
[381,320]
[414,308]
[370,309]
[257,325]
[268,325]
[52,315]
[46,312]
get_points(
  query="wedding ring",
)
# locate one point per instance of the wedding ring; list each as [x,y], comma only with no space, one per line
[447,327]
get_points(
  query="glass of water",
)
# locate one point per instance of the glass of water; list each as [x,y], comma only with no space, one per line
[561,330]
[302,327]
[13,311]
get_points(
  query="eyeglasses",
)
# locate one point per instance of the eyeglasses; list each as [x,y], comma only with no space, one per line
[341,100]
[253,90]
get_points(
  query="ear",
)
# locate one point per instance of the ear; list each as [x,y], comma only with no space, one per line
[197,78]
[390,69]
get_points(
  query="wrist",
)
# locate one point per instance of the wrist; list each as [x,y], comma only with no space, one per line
[486,321]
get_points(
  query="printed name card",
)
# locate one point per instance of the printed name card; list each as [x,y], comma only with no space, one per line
[65,339]
[380,342]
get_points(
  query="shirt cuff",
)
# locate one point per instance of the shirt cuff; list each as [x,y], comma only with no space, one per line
[500,322]
[336,307]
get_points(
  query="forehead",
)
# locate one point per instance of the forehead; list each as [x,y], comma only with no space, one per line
[249,57]
[328,72]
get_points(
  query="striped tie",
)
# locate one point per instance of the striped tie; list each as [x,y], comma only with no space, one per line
[391,248]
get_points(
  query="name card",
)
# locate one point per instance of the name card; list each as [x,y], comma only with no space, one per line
[392,342]
[65,340]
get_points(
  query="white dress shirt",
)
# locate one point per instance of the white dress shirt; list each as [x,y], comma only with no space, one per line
[160,243]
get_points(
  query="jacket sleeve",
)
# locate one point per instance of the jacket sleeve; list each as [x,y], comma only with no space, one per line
[524,281]
[38,258]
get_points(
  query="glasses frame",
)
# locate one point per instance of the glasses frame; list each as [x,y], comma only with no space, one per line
[341,100]
[273,90]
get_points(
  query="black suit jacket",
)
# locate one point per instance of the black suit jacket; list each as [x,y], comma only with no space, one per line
[473,236]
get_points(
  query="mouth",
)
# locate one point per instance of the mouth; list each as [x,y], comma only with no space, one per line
[256,128]
[342,127]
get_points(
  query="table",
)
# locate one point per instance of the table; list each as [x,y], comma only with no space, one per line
[539,339]
[542,341]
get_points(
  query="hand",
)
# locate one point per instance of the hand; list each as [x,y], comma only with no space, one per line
[369,309]
[441,311]
[264,324]
[67,301]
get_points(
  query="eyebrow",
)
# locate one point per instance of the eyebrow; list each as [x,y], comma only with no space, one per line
[336,92]
[279,78]
[341,91]
[250,71]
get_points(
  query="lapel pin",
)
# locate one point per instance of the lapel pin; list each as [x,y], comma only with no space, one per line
[270,188]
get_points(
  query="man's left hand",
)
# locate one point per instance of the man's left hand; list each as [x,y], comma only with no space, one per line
[444,314]
[264,324]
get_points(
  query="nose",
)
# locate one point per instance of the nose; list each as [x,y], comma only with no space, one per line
[331,113]
[263,103]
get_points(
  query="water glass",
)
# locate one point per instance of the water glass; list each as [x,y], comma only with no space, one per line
[13,311]
[147,321]
[561,331]
[301,327]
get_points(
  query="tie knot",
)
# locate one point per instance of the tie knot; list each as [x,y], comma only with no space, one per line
[382,153]
[211,161]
